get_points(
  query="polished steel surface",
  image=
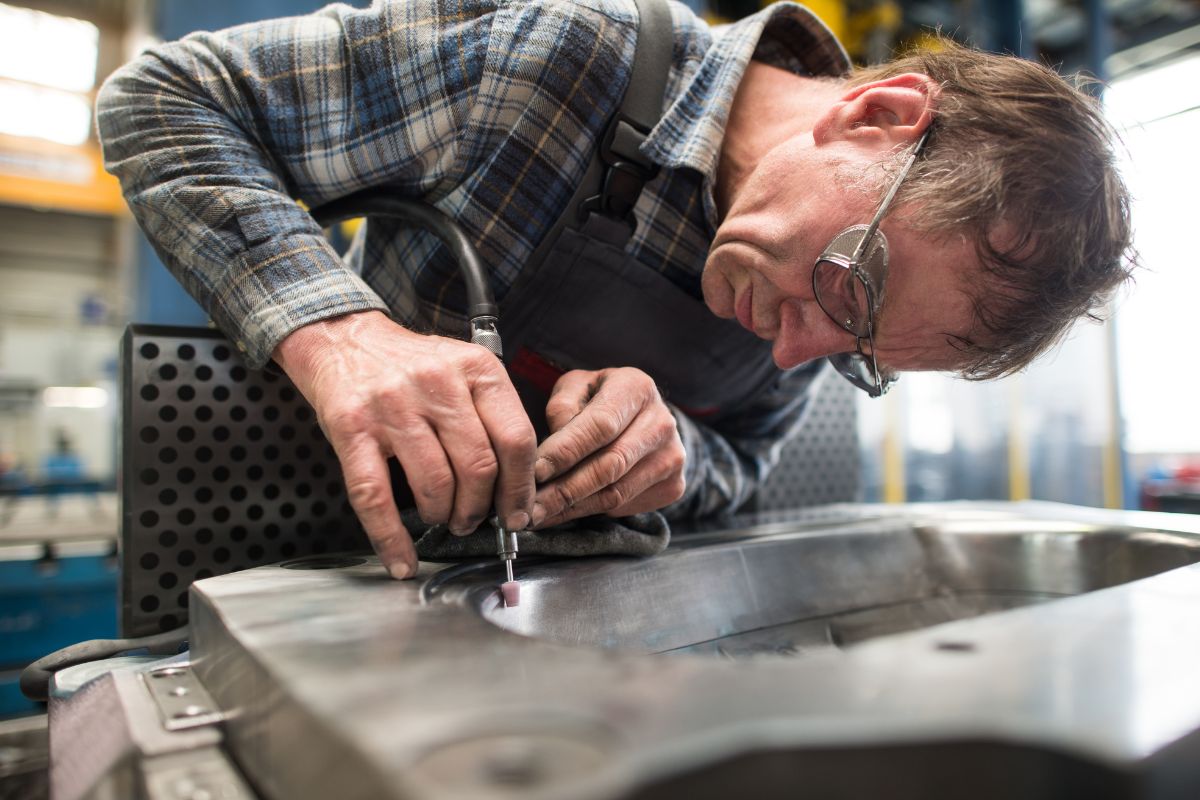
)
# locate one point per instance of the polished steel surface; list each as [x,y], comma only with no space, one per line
[342,682]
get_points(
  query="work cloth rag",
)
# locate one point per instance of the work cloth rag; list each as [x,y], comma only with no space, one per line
[638,535]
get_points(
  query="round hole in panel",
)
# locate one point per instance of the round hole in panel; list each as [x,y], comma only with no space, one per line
[149,350]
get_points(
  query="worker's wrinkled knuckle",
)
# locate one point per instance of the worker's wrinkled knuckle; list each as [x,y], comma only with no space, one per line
[432,491]
[665,428]
[346,418]
[428,373]
[481,466]
[607,422]
[615,496]
[675,488]
[517,440]
[564,496]
[368,494]
[673,460]
[615,462]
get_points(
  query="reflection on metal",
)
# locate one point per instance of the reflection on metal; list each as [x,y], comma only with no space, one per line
[937,651]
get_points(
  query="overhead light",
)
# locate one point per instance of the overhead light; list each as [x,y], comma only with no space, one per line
[74,397]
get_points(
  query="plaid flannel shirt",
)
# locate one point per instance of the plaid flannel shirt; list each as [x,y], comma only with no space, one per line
[489,109]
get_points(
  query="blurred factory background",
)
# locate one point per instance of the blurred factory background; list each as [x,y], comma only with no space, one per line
[1105,421]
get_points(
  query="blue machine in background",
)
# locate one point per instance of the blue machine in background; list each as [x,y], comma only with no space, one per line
[53,593]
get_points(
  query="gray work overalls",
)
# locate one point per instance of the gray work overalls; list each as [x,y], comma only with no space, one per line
[583,302]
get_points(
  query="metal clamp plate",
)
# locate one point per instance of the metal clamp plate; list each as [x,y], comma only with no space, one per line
[182,700]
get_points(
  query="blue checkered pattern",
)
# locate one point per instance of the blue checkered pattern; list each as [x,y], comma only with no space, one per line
[489,109]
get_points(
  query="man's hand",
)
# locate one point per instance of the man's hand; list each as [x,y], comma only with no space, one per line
[445,409]
[614,448]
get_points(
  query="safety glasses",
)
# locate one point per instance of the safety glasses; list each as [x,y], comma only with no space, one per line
[848,283]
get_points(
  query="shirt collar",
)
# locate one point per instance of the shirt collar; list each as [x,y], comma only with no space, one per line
[690,132]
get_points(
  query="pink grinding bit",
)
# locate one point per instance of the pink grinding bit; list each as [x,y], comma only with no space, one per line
[512,593]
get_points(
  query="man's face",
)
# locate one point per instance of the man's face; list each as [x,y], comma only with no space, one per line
[759,269]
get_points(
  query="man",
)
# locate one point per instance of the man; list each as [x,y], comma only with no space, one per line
[1009,223]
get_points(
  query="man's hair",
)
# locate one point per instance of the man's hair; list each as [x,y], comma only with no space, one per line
[1022,163]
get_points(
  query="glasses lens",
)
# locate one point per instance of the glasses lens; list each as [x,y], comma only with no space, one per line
[856,368]
[843,296]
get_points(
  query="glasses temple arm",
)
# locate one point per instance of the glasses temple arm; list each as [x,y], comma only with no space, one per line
[887,200]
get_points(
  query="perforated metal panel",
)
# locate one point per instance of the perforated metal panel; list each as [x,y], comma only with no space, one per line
[821,465]
[223,468]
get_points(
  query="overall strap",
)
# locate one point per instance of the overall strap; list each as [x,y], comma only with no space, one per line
[602,205]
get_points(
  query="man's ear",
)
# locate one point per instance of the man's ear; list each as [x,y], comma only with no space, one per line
[887,112]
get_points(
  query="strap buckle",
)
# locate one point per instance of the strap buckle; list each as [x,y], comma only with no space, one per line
[626,172]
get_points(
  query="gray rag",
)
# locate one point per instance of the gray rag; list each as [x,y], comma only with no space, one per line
[639,535]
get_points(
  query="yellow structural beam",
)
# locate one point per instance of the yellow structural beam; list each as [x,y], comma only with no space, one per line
[44,175]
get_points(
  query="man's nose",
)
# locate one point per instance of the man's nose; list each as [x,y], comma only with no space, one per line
[797,344]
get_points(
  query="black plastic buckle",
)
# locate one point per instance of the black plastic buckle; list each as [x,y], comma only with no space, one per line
[624,178]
